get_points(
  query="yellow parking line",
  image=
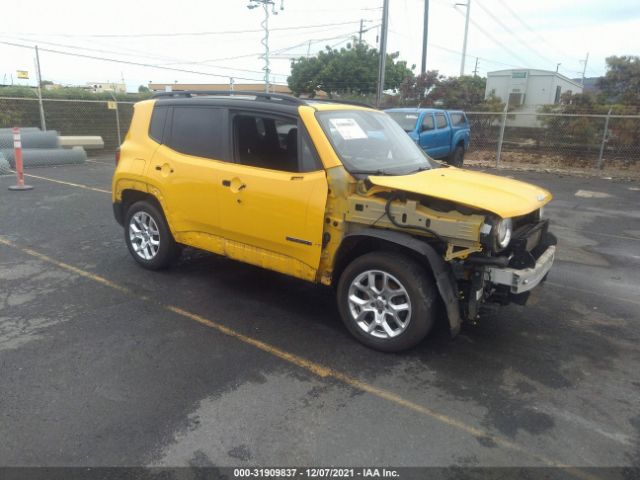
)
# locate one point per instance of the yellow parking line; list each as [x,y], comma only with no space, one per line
[308,365]
[70,184]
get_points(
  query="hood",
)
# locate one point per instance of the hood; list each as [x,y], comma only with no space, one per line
[503,196]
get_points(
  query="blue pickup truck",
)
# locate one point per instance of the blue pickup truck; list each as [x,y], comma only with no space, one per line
[440,133]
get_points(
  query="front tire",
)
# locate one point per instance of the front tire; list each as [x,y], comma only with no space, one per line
[387,301]
[457,157]
[148,236]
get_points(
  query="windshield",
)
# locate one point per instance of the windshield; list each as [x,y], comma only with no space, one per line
[406,120]
[372,143]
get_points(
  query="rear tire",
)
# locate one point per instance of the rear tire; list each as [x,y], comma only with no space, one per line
[387,301]
[457,157]
[148,236]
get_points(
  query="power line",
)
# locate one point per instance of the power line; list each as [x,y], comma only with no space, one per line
[184,34]
[526,25]
[76,47]
[127,62]
[344,38]
[513,34]
[148,56]
[493,39]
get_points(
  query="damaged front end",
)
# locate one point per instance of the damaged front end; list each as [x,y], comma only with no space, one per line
[488,259]
[509,275]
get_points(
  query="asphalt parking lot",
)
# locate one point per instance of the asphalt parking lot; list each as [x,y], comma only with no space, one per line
[218,363]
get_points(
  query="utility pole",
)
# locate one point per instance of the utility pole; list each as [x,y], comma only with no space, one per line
[466,33]
[475,70]
[584,69]
[558,66]
[383,50]
[425,36]
[43,123]
[265,26]
[360,32]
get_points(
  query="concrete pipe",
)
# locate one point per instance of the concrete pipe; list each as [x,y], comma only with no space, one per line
[43,157]
[35,139]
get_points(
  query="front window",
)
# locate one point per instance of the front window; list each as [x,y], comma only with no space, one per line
[372,143]
[407,121]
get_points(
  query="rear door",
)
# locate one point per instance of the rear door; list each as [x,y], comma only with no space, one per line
[273,197]
[186,167]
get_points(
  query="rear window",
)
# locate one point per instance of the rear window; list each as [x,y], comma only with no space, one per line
[156,127]
[198,131]
[457,119]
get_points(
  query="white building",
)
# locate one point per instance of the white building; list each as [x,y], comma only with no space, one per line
[99,87]
[527,89]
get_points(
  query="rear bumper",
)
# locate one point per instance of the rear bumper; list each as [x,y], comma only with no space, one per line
[526,279]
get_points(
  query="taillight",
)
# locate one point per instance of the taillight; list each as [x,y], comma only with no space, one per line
[117,156]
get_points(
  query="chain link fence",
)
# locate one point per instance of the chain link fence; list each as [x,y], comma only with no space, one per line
[545,139]
[555,139]
[109,120]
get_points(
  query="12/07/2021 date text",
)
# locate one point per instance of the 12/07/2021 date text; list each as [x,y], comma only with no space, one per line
[315,473]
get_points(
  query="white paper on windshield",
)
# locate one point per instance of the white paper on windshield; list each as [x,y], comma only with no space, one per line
[348,128]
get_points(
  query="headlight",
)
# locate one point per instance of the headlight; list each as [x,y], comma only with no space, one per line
[504,229]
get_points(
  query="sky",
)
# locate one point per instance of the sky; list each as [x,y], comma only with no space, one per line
[211,41]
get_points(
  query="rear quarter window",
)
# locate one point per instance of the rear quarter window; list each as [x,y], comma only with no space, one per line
[158,118]
[457,119]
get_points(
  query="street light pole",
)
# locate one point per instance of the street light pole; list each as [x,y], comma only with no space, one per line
[425,36]
[43,123]
[466,32]
[383,51]
[265,26]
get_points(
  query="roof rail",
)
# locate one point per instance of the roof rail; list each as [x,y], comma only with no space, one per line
[337,100]
[232,93]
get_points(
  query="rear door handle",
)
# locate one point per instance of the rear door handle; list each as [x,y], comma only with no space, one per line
[226,183]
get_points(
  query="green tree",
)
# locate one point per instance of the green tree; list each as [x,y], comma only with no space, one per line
[350,70]
[414,89]
[621,84]
[143,89]
[582,133]
[458,92]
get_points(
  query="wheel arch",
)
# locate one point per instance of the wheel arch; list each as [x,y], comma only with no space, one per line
[130,196]
[461,139]
[371,239]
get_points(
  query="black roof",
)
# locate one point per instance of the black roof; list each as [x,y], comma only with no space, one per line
[273,101]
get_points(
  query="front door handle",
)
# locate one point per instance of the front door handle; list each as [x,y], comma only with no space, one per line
[226,183]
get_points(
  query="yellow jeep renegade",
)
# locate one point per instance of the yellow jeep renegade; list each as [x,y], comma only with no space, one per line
[329,193]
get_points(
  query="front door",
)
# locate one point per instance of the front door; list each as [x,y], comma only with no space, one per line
[441,136]
[273,197]
[427,129]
